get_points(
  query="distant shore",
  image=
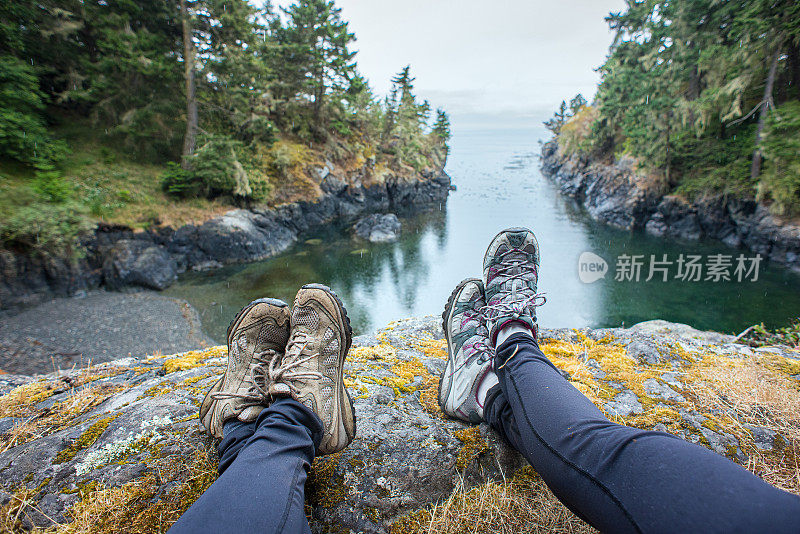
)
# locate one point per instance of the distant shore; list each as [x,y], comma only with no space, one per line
[98,326]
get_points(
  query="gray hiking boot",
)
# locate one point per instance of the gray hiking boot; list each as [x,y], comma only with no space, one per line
[469,360]
[311,369]
[256,338]
[510,276]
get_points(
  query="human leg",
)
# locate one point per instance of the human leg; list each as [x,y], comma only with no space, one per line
[618,478]
[262,477]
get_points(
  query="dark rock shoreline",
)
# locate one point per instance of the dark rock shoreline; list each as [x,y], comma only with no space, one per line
[615,195]
[116,257]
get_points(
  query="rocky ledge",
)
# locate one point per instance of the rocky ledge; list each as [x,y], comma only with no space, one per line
[118,448]
[616,194]
[116,257]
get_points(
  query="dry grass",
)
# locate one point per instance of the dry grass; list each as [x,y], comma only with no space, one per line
[35,423]
[141,506]
[753,391]
[20,508]
[137,507]
[523,504]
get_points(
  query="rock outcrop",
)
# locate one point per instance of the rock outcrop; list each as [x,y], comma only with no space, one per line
[118,447]
[116,257]
[378,228]
[618,195]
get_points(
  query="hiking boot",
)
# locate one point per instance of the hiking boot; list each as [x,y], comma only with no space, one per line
[510,276]
[311,369]
[256,338]
[469,360]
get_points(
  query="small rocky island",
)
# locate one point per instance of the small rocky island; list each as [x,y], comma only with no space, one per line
[378,228]
[117,447]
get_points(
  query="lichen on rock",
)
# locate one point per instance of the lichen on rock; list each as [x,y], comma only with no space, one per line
[118,447]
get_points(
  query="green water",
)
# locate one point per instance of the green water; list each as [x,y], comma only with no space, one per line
[499,185]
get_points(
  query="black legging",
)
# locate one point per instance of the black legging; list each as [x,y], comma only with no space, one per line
[618,478]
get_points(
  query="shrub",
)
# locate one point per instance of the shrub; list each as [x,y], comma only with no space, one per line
[575,134]
[51,186]
[43,228]
[214,170]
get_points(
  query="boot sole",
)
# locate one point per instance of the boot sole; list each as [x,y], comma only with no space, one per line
[448,308]
[515,229]
[348,331]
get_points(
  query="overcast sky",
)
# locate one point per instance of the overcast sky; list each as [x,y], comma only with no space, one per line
[498,63]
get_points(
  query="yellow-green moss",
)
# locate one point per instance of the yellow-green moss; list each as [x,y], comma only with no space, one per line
[85,440]
[474,445]
[193,358]
[324,486]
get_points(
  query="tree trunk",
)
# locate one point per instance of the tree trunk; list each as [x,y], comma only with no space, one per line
[766,102]
[189,139]
[667,155]
[693,92]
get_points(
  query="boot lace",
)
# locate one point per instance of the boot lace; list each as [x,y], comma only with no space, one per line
[256,376]
[291,369]
[521,300]
[480,345]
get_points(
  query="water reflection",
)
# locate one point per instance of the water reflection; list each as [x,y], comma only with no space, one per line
[499,185]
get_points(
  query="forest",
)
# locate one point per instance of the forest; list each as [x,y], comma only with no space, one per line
[149,112]
[704,94]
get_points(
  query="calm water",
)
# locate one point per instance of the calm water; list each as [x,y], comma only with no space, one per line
[499,185]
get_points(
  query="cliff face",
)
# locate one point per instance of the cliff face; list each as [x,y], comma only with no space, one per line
[118,447]
[618,195]
[116,257]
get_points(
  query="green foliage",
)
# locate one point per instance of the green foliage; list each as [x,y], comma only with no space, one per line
[559,119]
[710,166]
[781,147]
[109,78]
[43,228]
[760,336]
[576,103]
[683,89]
[23,133]
[51,186]
[214,170]
[441,128]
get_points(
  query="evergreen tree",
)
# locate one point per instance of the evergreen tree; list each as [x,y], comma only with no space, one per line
[576,103]
[689,86]
[315,46]
[557,121]
[441,128]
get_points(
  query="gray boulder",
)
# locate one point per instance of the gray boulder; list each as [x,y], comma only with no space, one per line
[133,262]
[243,235]
[378,228]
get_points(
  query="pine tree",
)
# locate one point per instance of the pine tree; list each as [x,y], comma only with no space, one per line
[315,45]
[557,121]
[576,103]
[441,128]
